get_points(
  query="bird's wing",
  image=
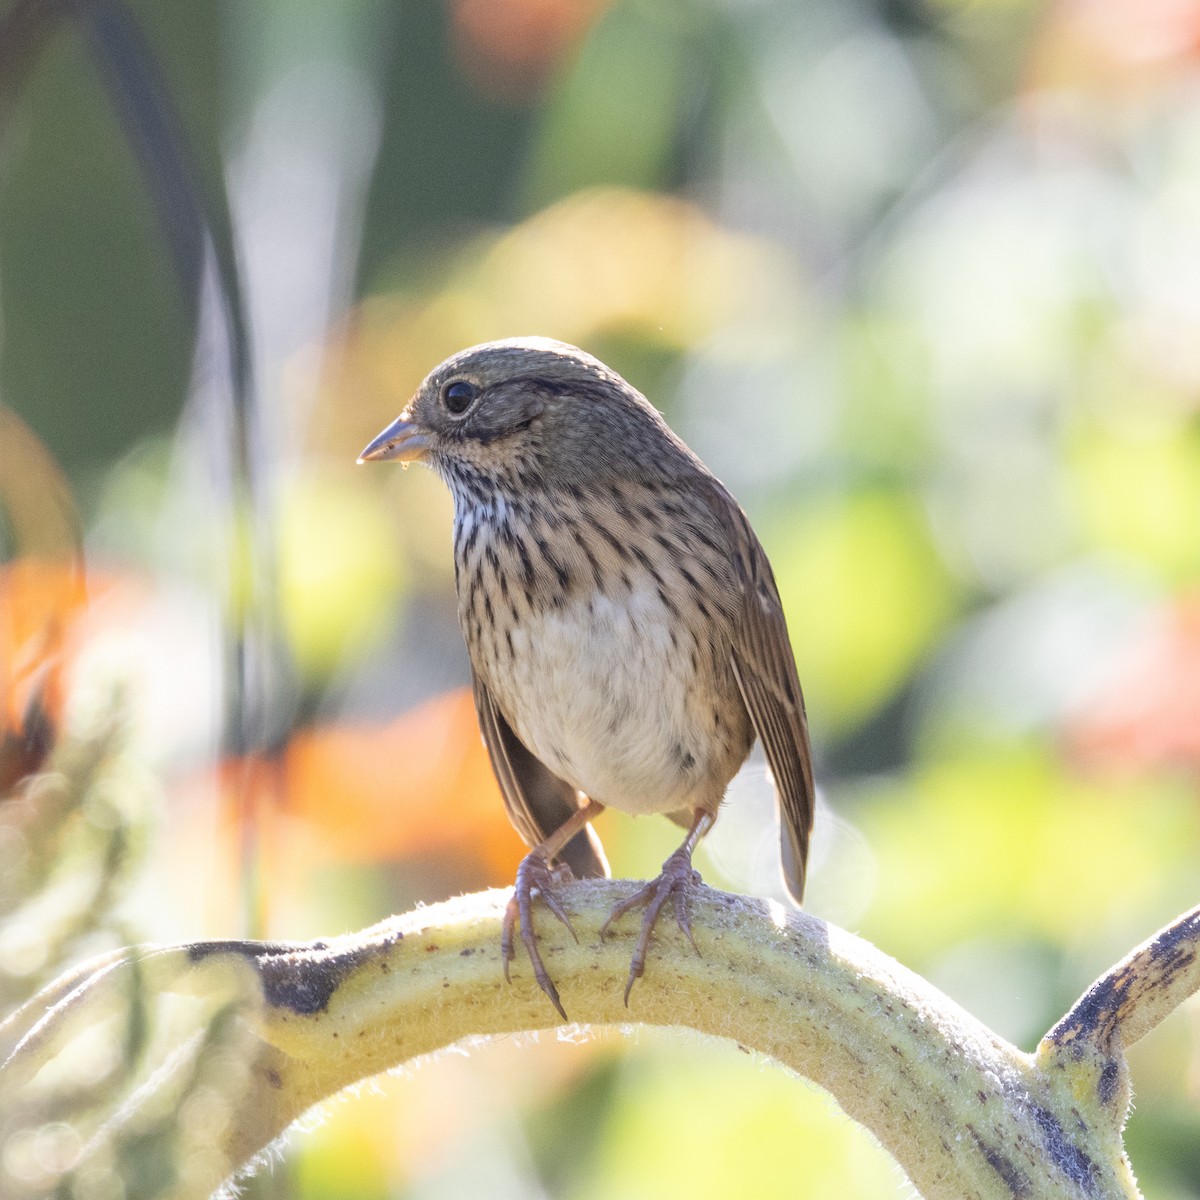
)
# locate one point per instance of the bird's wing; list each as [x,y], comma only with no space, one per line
[538,802]
[766,675]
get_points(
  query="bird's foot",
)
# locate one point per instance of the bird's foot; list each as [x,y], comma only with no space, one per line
[535,876]
[675,883]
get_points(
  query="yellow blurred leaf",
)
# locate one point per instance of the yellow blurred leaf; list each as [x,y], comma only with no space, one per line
[1139,496]
[1006,840]
[865,595]
[339,570]
[703,1122]
[349,1155]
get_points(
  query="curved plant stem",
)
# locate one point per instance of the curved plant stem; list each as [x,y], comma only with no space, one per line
[965,1113]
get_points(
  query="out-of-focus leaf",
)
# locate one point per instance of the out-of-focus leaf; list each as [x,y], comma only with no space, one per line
[1139,496]
[886,417]
[339,571]
[97,345]
[39,508]
[865,595]
[1009,842]
[351,1159]
[616,114]
[433,1131]
[700,1122]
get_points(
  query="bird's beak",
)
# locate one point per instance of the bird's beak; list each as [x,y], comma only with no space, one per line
[401,440]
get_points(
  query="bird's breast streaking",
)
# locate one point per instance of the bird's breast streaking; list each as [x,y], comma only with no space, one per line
[596,668]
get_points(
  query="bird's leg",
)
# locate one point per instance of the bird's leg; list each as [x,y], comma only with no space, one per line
[535,874]
[678,877]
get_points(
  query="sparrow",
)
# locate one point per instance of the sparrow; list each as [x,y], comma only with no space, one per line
[625,632]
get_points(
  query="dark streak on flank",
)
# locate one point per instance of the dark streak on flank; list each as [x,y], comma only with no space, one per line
[581,542]
[699,533]
[526,564]
[669,605]
[710,567]
[466,543]
[615,542]
[561,573]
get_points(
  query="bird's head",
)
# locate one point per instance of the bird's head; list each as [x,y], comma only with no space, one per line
[519,411]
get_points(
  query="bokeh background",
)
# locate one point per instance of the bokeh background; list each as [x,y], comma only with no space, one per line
[919,279]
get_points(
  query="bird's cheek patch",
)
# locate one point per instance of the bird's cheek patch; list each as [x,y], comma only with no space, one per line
[506,416]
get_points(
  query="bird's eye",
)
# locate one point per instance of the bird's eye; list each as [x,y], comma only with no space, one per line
[459,396]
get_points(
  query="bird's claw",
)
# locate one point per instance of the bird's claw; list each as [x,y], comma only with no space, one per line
[674,883]
[534,875]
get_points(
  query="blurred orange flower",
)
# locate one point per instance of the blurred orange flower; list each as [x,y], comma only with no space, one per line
[509,48]
[51,613]
[39,600]
[419,786]
[40,594]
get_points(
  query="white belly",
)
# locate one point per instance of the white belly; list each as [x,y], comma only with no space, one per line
[597,691]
